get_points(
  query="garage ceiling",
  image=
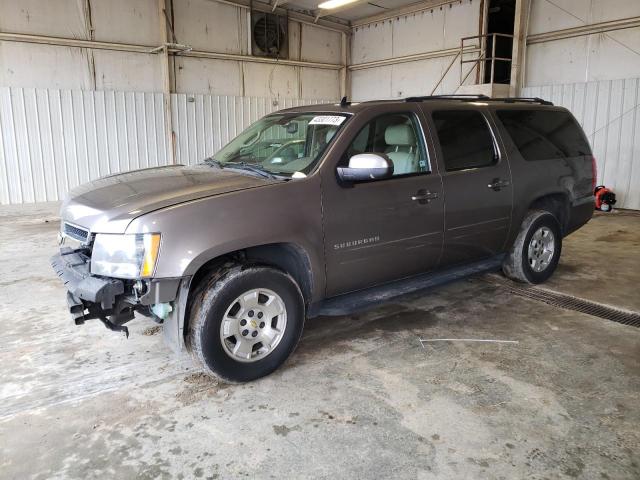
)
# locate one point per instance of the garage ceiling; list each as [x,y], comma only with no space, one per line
[350,12]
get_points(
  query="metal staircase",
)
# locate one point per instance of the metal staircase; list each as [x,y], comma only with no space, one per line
[477,45]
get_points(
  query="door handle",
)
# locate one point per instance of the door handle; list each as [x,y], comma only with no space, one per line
[424,196]
[496,184]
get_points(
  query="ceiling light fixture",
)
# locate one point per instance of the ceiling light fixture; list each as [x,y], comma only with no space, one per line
[330,4]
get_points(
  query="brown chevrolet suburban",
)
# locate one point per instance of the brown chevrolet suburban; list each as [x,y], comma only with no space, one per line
[325,209]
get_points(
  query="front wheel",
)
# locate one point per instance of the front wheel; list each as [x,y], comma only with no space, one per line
[536,251]
[245,322]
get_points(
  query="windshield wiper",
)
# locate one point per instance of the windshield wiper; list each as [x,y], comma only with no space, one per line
[252,168]
[214,162]
[240,166]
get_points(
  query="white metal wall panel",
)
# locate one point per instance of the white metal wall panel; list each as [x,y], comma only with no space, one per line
[607,10]
[61,18]
[211,26]
[320,45]
[44,66]
[127,71]
[610,116]
[127,21]
[319,83]
[372,42]
[416,78]
[54,140]
[614,55]
[418,33]
[267,80]
[567,56]
[371,84]
[460,20]
[401,80]
[208,76]
[548,16]
[427,31]
[609,55]
[431,30]
[606,56]
[201,24]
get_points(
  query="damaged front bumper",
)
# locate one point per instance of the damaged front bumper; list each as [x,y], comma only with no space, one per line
[89,296]
[114,301]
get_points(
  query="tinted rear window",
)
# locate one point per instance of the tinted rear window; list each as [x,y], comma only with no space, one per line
[465,139]
[544,134]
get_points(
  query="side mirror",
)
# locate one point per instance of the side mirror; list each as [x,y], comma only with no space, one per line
[366,166]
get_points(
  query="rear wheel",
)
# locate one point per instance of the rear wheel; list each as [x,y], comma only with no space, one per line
[536,251]
[245,322]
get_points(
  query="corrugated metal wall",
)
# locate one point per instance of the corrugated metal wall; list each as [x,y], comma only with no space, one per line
[53,140]
[609,114]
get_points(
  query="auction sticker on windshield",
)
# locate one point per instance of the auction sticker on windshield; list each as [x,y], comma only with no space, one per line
[327,120]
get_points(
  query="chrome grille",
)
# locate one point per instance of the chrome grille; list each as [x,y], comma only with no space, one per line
[77,233]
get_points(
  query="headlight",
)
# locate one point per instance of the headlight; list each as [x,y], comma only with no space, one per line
[125,256]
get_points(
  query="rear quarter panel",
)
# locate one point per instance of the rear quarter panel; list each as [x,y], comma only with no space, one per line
[531,180]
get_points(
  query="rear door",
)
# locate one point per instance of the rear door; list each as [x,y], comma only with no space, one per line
[382,230]
[477,184]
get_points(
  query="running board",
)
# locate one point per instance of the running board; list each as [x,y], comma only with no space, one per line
[350,303]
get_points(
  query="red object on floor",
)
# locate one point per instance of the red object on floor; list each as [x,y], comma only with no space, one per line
[605,198]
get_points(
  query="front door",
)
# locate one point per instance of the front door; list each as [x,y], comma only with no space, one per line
[477,185]
[382,230]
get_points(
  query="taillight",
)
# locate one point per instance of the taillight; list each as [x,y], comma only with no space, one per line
[594,173]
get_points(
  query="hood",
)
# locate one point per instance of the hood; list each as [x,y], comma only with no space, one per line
[109,204]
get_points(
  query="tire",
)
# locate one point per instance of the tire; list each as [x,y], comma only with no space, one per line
[527,266]
[244,297]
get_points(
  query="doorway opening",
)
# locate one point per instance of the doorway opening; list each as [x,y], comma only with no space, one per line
[501,16]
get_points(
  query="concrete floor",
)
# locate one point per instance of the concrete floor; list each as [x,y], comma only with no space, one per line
[360,398]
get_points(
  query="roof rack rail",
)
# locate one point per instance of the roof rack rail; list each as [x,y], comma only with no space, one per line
[539,100]
[484,98]
[464,98]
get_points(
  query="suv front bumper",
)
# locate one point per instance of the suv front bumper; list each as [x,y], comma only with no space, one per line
[89,296]
[113,301]
[73,268]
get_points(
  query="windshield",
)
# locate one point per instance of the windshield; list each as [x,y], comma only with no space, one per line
[281,144]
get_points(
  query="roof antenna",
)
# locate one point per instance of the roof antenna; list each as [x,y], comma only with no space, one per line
[344,102]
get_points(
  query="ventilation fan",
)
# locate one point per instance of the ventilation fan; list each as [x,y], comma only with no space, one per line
[269,35]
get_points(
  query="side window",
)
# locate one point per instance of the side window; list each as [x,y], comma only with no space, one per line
[397,136]
[465,139]
[544,134]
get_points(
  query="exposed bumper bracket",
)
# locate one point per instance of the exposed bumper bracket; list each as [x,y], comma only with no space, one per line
[114,327]
[90,297]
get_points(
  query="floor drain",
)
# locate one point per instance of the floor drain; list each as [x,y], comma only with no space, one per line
[567,302]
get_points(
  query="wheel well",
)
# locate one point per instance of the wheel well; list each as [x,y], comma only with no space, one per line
[284,256]
[557,204]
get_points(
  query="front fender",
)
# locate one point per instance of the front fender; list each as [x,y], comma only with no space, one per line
[196,232]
